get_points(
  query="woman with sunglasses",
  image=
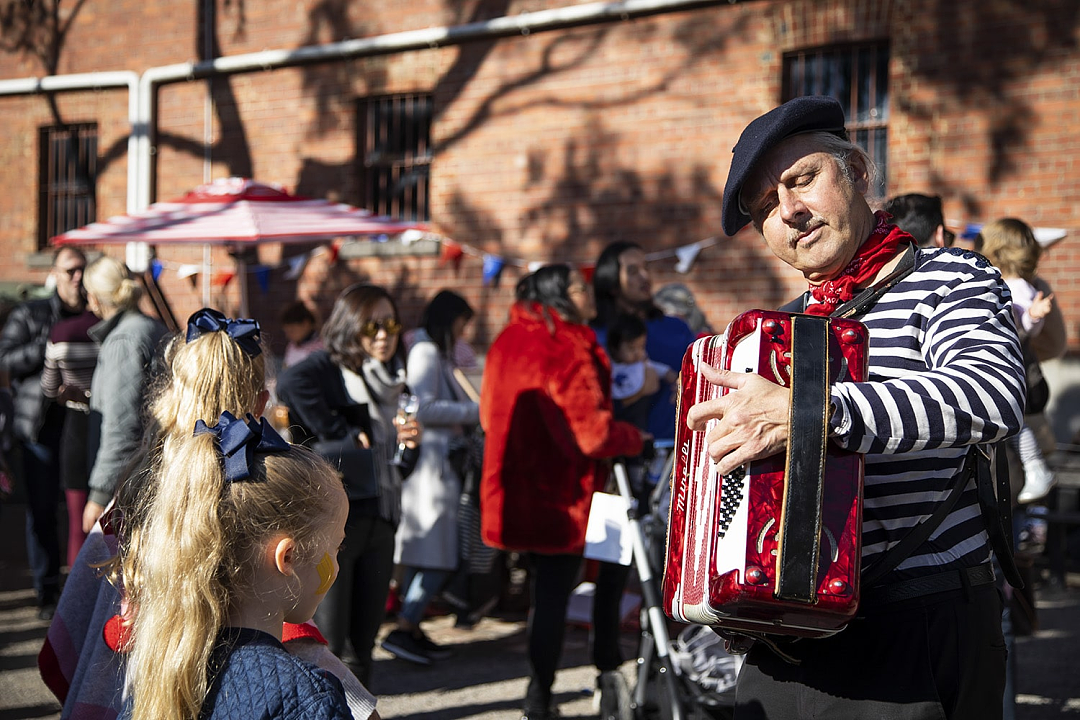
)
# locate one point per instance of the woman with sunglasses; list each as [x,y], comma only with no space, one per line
[348,393]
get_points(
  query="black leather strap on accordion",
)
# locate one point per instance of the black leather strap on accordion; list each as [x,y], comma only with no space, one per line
[804,477]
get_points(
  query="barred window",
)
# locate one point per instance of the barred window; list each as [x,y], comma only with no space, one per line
[857,76]
[67,178]
[394,148]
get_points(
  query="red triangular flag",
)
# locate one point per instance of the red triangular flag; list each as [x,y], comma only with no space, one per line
[451,252]
[222,278]
[587,271]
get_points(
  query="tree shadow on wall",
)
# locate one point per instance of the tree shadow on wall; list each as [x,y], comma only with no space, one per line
[1031,36]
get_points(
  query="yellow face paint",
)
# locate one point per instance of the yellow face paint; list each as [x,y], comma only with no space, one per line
[326,573]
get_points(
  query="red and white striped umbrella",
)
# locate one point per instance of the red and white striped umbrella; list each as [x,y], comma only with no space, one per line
[237,211]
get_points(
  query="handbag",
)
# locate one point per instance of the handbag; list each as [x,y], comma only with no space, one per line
[355,465]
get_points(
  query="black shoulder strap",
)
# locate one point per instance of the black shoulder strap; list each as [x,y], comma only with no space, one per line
[919,534]
[865,300]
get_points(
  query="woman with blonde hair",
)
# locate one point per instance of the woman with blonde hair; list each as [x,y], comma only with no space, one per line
[1010,244]
[128,341]
[242,536]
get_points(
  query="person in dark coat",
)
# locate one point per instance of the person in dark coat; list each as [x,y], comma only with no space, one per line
[38,424]
[348,394]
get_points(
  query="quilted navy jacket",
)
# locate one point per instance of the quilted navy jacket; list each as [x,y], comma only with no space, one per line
[253,677]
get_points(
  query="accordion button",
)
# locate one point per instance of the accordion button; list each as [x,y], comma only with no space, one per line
[849,337]
[838,587]
[755,575]
[770,326]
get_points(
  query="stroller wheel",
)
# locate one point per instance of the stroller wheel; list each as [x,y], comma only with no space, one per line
[615,702]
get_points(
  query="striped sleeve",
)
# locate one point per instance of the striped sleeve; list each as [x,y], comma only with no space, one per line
[946,367]
[946,372]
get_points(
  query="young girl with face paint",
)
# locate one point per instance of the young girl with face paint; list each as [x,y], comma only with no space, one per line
[217,365]
[242,537]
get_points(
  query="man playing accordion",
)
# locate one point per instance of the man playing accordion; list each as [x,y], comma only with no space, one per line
[946,374]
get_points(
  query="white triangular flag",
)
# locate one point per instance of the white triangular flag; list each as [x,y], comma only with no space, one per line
[536,265]
[187,271]
[686,255]
[296,266]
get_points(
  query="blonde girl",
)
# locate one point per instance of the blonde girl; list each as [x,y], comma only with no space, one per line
[242,537]
[217,365]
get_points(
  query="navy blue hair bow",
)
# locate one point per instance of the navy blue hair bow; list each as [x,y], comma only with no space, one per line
[239,440]
[244,331]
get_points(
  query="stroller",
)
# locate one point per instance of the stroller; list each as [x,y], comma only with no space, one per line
[689,677]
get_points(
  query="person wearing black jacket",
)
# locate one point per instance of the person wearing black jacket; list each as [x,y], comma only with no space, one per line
[38,423]
[346,398]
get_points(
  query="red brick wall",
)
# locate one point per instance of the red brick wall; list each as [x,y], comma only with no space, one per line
[552,144]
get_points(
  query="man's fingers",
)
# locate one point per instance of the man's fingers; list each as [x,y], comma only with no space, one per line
[701,413]
[723,378]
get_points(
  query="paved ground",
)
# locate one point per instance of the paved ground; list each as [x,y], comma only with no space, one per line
[486,677]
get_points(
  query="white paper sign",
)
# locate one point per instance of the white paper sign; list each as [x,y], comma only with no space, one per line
[607,536]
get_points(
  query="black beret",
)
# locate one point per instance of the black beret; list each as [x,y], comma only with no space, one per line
[796,116]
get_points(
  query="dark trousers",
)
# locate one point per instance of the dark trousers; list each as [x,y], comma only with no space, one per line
[553,580]
[41,477]
[940,656]
[74,476]
[355,605]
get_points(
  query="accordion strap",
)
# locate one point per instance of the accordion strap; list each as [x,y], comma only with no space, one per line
[919,534]
[804,483]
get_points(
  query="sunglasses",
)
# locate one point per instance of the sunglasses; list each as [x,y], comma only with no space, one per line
[372,327]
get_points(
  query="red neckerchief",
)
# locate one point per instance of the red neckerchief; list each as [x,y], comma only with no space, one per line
[871,256]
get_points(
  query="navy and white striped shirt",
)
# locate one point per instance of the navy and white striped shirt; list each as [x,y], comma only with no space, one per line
[946,371]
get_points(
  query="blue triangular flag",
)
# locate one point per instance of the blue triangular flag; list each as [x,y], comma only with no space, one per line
[262,274]
[493,265]
[155,268]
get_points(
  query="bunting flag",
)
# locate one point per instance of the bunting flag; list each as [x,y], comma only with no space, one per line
[493,267]
[451,252]
[262,275]
[296,266]
[222,278]
[155,269]
[686,254]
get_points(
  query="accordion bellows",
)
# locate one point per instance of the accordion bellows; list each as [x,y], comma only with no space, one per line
[773,547]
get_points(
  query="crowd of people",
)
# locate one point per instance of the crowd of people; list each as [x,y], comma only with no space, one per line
[217,569]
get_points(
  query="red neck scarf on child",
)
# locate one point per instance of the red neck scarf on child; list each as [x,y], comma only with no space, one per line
[871,256]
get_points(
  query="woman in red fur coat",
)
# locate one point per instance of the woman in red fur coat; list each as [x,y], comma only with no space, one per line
[545,406]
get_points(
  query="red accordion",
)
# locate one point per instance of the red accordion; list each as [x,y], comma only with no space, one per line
[774,547]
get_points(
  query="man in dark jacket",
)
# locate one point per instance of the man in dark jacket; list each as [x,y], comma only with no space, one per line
[37,422]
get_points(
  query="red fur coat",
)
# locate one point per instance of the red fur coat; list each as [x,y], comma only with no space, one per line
[545,406]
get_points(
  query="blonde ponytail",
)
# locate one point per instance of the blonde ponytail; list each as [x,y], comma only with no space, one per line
[203,378]
[197,555]
[181,600]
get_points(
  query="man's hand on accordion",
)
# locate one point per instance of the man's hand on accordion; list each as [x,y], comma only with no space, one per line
[751,421]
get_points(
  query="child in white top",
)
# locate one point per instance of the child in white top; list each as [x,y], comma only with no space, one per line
[1011,246]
